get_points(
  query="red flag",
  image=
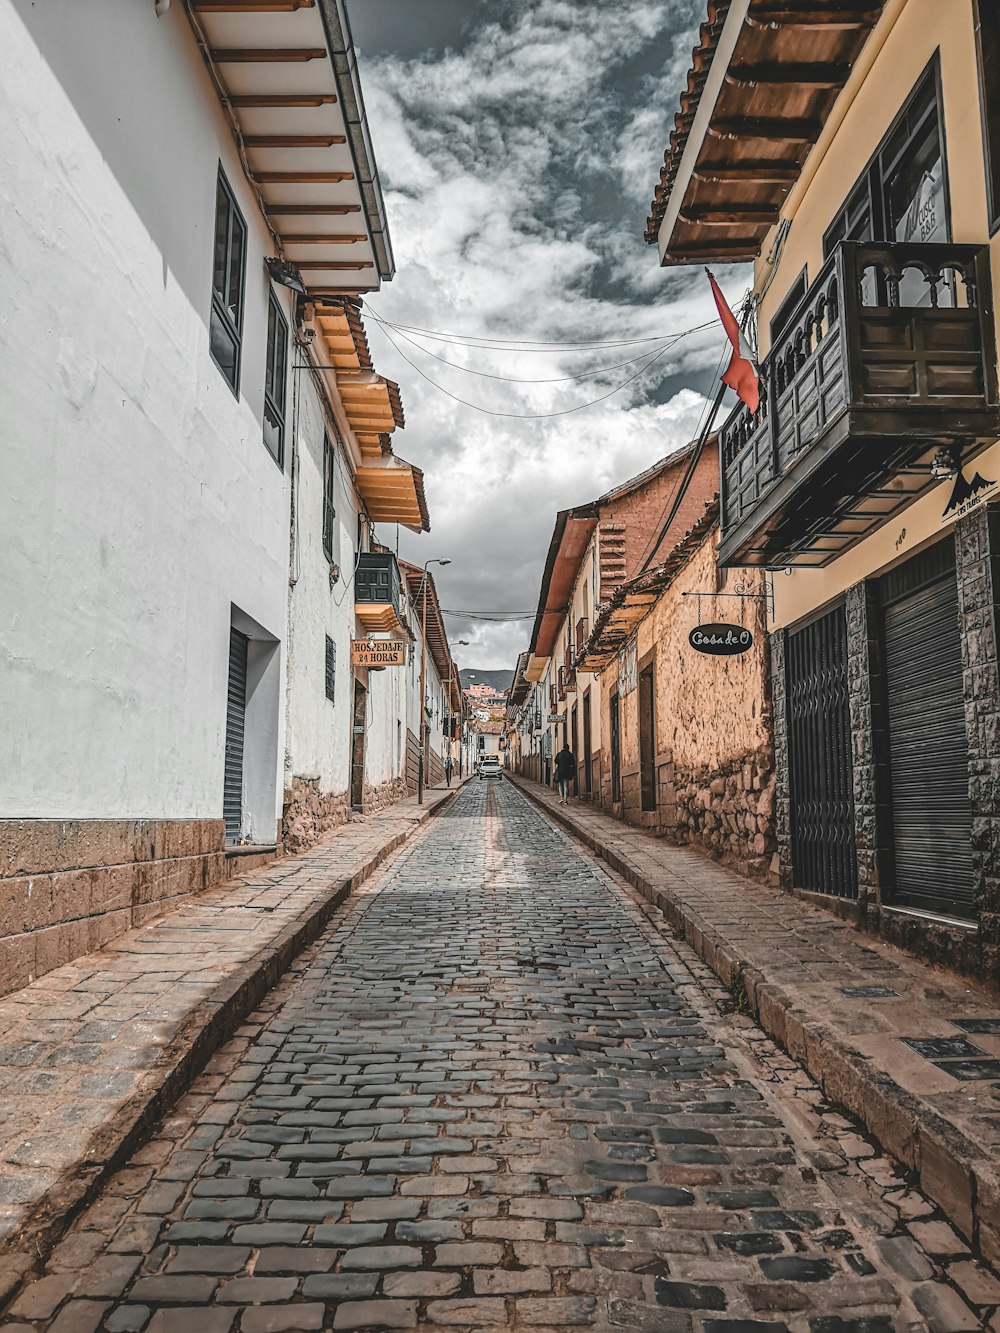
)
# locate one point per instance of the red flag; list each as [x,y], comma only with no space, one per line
[742,373]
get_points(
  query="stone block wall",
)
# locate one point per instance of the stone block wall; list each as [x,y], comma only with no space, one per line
[310,813]
[730,813]
[68,887]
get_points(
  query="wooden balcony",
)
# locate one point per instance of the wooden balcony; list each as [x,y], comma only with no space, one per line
[890,355]
[378,593]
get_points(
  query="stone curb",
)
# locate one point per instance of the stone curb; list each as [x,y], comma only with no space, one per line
[203,1031]
[952,1169]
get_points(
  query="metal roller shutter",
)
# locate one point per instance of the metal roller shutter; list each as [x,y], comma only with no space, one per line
[821,772]
[232,791]
[928,750]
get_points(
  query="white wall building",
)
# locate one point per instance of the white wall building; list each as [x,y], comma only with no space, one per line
[158,438]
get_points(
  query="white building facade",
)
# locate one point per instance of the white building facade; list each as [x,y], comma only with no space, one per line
[168,177]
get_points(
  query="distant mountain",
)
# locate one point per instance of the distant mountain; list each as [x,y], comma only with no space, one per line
[500,680]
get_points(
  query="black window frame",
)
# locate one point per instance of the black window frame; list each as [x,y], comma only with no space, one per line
[874,179]
[229,217]
[788,305]
[329,495]
[276,374]
[330,669]
[989,108]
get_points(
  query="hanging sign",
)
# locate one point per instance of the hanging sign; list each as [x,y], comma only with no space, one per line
[377,653]
[720,640]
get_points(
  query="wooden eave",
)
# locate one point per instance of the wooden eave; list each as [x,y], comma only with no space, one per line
[437,636]
[789,64]
[378,618]
[570,538]
[287,79]
[393,492]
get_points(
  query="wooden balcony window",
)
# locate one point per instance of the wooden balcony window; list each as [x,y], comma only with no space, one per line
[889,355]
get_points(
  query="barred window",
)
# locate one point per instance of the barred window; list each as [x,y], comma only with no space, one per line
[331,668]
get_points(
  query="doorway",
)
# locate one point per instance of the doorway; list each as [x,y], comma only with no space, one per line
[574,743]
[614,738]
[821,772]
[358,729]
[236,710]
[927,744]
[588,777]
[647,739]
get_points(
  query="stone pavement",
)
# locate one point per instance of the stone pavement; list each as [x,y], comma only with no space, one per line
[493,1094]
[92,1053]
[843,1003]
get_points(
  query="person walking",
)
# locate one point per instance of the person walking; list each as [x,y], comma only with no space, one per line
[449,768]
[565,769]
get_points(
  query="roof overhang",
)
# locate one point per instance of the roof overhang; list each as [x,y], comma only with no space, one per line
[421,587]
[764,78]
[570,538]
[536,668]
[287,77]
[393,492]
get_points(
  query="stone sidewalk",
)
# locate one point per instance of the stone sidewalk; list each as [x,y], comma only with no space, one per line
[912,1051]
[93,1053]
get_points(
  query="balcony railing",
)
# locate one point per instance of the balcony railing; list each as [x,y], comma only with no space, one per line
[378,592]
[890,354]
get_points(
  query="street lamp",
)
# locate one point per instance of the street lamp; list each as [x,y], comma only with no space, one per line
[423,679]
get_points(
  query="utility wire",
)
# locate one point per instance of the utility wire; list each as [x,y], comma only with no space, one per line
[528,344]
[527,416]
[514,379]
[703,435]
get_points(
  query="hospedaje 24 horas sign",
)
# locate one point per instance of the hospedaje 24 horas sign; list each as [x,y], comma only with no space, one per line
[377,653]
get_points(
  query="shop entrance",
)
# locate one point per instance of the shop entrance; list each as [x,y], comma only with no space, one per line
[928,753]
[358,727]
[821,772]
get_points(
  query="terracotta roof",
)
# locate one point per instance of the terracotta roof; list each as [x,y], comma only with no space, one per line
[634,600]
[789,62]
[437,635]
[701,60]
[570,536]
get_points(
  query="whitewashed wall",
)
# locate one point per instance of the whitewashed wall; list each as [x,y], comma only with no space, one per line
[139,501]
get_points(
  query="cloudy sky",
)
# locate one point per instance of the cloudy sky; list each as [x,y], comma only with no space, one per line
[518,143]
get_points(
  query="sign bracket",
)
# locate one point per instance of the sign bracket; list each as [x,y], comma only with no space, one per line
[766,597]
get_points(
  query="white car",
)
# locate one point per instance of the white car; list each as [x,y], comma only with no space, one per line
[489,767]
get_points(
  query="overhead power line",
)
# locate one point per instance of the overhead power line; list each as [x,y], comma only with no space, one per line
[529,344]
[528,416]
[514,379]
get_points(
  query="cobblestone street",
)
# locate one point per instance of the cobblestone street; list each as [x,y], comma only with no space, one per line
[493,1094]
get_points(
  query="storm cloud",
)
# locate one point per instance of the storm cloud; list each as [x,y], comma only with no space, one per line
[519,142]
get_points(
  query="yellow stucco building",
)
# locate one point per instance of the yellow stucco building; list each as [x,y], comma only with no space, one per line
[850,151]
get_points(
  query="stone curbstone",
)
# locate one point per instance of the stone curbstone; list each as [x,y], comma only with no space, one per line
[213,1022]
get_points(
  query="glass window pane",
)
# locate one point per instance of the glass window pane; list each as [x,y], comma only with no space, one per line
[221,240]
[271,349]
[237,259]
[225,348]
[280,363]
[273,433]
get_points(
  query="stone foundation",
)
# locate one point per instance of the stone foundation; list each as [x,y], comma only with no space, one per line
[68,887]
[728,813]
[386,793]
[310,813]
